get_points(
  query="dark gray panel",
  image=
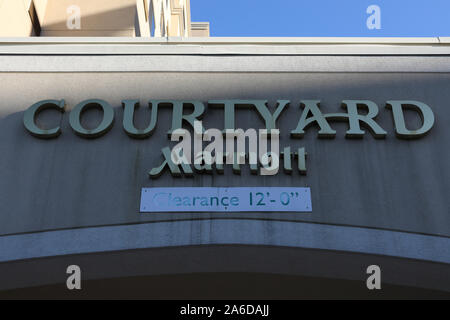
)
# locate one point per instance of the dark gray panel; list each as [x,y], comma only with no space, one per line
[72,182]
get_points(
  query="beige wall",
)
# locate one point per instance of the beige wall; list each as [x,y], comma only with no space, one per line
[179,15]
[180,18]
[199,29]
[97,18]
[40,6]
[14,19]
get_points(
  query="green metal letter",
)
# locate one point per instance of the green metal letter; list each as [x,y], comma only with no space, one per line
[424,111]
[355,119]
[103,127]
[260,105]
[168,163]
[29,118]
[317,116]
[129,107]
[178,113]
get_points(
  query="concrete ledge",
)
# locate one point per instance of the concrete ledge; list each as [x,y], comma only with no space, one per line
[227,40]
[225,46]
[195,246]
[225,232]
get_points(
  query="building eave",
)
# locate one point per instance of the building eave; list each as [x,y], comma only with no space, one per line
[224,46]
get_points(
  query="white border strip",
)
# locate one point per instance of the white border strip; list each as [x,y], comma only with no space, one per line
[232,46]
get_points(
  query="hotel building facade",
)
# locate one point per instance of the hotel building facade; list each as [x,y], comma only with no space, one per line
[89,92]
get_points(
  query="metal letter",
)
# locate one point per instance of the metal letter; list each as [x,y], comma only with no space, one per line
[260,105]
[174,168]
[29,118]
[178,116]
[103,127]
[424,111]
[317,116]
[129,107]
[355,119]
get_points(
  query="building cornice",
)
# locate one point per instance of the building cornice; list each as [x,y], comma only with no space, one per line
[223,46]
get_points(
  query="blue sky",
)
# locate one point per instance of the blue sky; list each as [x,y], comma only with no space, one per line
[322,18]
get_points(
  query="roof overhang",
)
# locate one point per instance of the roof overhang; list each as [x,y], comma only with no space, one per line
[224,46]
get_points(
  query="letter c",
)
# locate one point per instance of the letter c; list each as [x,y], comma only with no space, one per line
[29,118]
[223,203]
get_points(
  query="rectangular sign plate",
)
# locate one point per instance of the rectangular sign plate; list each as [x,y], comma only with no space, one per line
[275,199]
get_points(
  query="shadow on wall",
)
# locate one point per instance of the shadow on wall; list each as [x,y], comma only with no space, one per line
[223,286]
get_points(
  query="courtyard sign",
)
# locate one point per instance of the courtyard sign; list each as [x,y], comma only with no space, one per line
[357,113]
